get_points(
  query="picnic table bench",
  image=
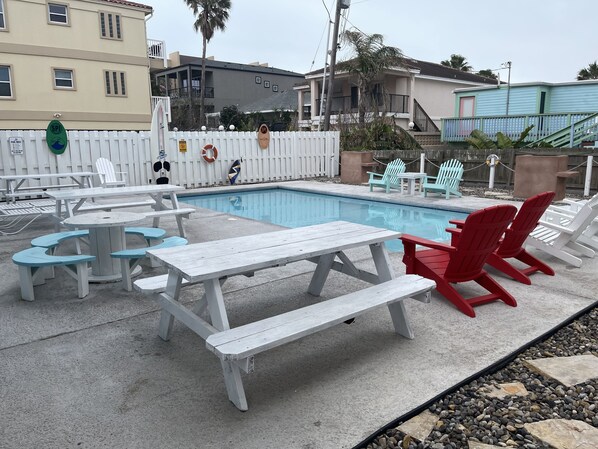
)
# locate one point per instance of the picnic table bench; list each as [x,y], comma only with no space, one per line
[210,263]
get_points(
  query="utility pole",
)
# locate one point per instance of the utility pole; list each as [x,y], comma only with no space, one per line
[340,4]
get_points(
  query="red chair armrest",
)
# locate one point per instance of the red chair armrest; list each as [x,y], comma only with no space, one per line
[413,239]
[457,222]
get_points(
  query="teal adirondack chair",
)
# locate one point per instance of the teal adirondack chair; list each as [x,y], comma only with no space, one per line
[389,178]
[447,181]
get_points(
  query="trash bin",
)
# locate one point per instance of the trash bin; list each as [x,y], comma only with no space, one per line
[537,174]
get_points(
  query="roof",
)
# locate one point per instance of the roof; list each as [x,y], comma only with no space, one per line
[284,100]
[127,3]
[441,71]
[213,64]
[534,84]
[432,69]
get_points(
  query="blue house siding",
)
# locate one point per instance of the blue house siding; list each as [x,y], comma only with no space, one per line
[522,100]
[525,99]
[574,98]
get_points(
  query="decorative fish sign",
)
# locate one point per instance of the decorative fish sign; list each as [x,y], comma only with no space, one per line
[56,137]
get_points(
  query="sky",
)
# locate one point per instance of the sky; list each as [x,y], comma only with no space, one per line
[545,40]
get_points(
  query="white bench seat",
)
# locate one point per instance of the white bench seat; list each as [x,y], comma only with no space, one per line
[88,207]
[178,213]
[166,212]
[245,341]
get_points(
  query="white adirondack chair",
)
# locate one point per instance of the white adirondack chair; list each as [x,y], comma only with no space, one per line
[558,233]
[107,174]
[589,237]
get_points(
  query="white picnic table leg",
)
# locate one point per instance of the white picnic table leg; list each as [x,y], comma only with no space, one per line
[231,371]
[173,289]
[321,274]
[397,310]
[179,218]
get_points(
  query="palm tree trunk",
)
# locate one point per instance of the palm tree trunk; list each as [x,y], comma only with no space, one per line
[202,90]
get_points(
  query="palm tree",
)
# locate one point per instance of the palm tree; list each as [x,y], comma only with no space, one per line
[211,15]
[588,73]
[457,62]
[488,73]
[371,59]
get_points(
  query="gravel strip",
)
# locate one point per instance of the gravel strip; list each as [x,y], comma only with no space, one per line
[468,414]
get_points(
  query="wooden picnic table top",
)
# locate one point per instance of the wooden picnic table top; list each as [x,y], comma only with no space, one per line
[212,260]
[107,192]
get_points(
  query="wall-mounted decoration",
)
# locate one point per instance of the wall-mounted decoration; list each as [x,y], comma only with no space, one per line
[56,137]
[274,87]
[266,84]
[263,136]
[258,80]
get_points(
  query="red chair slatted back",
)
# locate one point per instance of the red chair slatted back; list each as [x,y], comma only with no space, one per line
[479,237]
[526,220]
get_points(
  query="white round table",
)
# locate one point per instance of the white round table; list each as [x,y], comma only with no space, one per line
[106,235]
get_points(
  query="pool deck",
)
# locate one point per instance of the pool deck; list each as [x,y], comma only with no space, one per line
[92,372]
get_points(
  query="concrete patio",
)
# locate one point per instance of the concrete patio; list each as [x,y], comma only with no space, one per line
[92,372]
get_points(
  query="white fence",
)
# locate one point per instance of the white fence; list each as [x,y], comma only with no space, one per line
[290,155]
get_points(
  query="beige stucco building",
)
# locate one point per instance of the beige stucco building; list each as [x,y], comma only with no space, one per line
[84,62]
[419,93]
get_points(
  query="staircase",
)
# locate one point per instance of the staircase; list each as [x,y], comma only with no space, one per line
[572,136]
[424,131]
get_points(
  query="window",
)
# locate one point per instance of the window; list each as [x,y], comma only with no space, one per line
[274,87]
[115,83]
[110,25]
[2,19]
[267,84]
[58,14]
[64,79]
[5,82]
[258,79]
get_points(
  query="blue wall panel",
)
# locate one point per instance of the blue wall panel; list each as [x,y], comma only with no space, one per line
[574,98]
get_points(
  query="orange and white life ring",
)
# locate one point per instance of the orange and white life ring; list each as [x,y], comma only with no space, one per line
[209,153]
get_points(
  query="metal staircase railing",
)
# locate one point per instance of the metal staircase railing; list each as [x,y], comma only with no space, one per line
[573,135]
[422,120]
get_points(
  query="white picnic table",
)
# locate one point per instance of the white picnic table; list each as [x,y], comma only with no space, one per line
[71,202]
[211,263]
[14,183]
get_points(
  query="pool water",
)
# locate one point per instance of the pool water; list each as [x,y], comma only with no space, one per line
[293,209]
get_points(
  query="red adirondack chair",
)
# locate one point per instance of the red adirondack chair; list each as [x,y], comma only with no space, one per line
[512,243]
[447,264]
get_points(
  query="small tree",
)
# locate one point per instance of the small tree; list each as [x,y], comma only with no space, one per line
[230,115]
[458,62]
[588,73]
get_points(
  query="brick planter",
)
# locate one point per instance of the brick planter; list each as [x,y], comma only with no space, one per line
[355,165]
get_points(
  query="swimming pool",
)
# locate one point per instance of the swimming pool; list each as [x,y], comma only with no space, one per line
[293,209]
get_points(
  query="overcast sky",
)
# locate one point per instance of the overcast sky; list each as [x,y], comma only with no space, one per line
[546,40]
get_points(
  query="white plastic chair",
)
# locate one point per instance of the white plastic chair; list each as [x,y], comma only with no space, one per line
[558,234]
[107,174]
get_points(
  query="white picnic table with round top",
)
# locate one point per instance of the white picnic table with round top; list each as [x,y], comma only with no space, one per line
[106,235]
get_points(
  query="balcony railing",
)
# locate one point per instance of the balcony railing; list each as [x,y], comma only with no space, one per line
[156,50]
[166,102]
[389,103]
[190,92]
[457,129]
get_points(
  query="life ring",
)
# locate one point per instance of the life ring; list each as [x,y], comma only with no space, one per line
[209,153]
